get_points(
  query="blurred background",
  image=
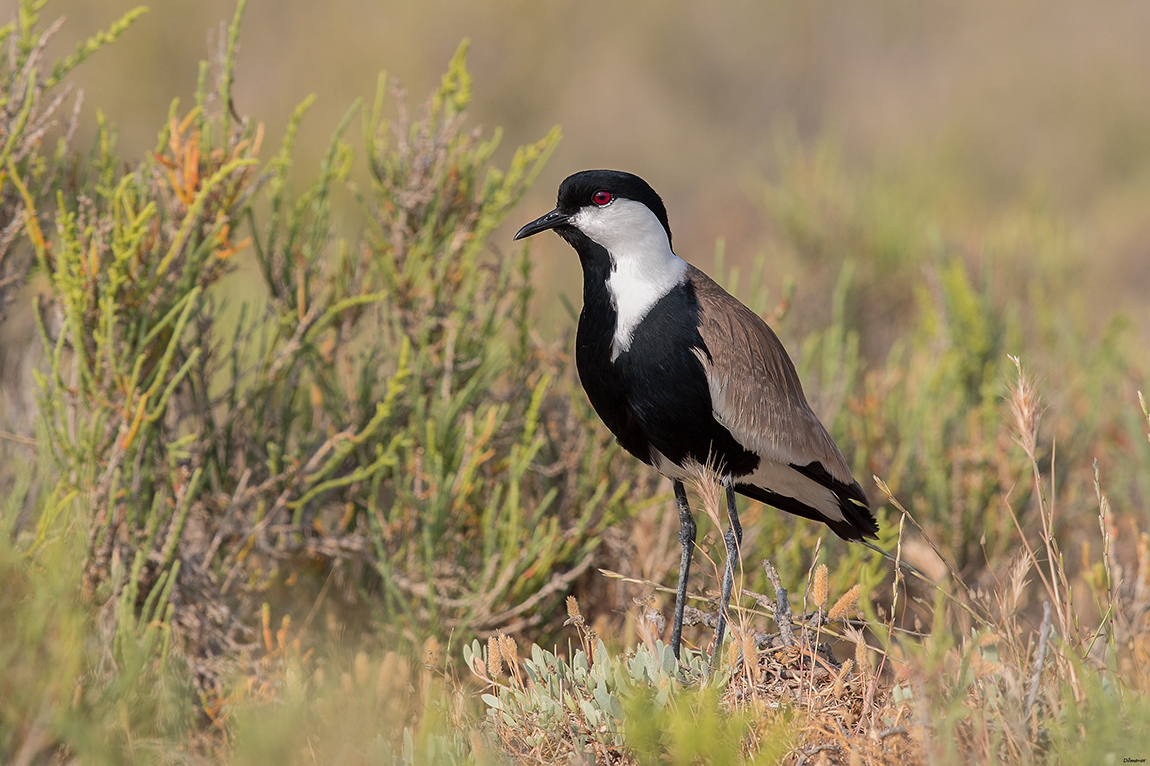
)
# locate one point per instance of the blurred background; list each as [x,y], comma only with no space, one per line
[971,108]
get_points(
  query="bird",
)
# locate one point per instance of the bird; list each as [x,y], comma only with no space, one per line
[686,376]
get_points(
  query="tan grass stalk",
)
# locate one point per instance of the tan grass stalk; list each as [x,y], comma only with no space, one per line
[1026,409]
[817,588]
[1025,406]
[898,576]
[964,605]
[747,643]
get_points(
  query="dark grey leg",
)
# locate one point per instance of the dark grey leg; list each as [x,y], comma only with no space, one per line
[687,541]
[733,539]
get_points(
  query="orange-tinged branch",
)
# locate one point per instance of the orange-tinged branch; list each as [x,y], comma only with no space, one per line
[136,420]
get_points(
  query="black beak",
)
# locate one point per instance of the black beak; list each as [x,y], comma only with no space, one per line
[549,221]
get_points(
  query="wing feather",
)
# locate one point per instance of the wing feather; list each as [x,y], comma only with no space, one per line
[755,390]
[757,396]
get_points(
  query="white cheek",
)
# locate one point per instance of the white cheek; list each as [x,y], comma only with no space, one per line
[623,225]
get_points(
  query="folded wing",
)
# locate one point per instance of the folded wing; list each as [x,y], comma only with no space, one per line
[757,396]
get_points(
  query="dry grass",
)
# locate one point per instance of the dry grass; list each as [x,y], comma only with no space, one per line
[982,679]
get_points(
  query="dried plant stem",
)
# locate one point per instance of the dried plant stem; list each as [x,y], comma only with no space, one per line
[1039,659]
[782,605]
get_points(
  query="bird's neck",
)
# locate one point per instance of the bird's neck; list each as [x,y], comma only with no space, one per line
[642,274]
[621,285]
[597,319]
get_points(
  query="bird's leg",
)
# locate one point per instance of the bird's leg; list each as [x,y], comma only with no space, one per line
[733,539]
[687,541]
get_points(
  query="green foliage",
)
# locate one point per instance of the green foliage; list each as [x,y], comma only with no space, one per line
[72,680]
[1108,725]
[376,402]
[41,635]
[699,728]
[560,707]
[932,421]
[465,499]
[129,265]
[941,299]
[354,712]
[30,102]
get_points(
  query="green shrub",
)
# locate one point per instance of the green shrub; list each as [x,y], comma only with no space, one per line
[602,706]
[374,409]
[358,710]
[76,679]
[32,94]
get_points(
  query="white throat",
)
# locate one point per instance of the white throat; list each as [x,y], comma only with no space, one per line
[644,267]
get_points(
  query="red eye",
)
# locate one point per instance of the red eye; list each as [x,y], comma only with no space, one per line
[601,198]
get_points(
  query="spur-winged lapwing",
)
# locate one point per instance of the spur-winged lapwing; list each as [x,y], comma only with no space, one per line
[683,373]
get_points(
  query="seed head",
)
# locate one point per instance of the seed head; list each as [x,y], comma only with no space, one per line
[494,657]
[820,587]
[508,649]
[846,604]
[860,649]
[840,679]
[1026,408]
[710,489]
[747,639]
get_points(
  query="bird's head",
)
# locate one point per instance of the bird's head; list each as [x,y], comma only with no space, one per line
[619,211]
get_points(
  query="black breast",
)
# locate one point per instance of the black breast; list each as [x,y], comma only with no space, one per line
[667,387]
[601,379]
[654,395]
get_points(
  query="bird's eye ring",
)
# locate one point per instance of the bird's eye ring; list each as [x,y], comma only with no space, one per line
[602,198]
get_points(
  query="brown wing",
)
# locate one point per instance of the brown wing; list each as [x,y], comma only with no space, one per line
[755,390]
